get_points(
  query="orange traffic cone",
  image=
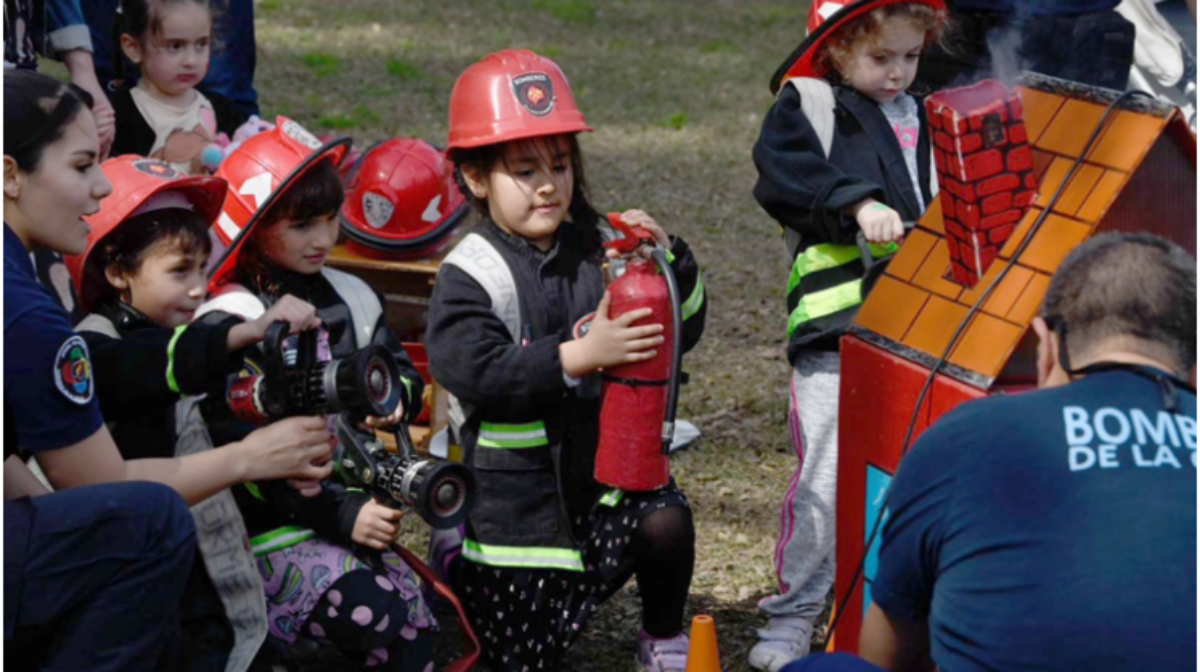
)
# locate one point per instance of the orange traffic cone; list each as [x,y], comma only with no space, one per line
[702,653]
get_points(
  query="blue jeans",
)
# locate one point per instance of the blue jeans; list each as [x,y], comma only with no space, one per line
[230,72]
[94,575]
[830,662]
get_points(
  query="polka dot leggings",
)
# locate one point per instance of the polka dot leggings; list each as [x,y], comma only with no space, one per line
[527,618]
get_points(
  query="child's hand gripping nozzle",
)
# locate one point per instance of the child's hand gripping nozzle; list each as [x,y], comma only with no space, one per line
[638,400]
[364,384]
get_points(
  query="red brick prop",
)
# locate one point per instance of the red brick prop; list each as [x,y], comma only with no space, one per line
[985,171]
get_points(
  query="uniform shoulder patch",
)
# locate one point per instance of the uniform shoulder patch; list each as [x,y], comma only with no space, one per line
[73,371]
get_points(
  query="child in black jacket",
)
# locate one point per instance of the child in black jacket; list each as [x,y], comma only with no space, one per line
[843,151]
[545,543]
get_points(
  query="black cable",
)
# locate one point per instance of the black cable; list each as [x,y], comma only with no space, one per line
[668,429]
[912,424]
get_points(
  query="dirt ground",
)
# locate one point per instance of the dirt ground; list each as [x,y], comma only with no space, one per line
[676,92]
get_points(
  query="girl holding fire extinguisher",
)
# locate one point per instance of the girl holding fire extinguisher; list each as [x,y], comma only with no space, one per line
[519,327]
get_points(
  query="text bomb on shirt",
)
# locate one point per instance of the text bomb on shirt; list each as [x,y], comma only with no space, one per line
[1111,438]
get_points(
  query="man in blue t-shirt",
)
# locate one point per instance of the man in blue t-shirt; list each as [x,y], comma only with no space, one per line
[1056,530]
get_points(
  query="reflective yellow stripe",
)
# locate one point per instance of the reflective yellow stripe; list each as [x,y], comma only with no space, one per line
[825,302]
[828,255]
[255,491]
[279,539]
[696,300]
[523,556]
[612,497]
[171,384]
[505,436]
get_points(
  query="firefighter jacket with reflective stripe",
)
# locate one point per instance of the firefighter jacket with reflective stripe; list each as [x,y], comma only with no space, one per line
[807,192]
[268,506]
[529,433]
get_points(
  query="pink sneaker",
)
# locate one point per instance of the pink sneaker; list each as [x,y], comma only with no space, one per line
[662,655]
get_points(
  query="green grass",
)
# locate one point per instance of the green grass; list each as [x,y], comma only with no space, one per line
[676,92]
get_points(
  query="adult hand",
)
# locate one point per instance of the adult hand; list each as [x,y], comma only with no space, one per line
[879,223]
[299,314]
[294,448]
[82,71]
[376,525]
[610,342]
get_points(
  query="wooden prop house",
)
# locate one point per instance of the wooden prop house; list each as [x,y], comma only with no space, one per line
[1140,175]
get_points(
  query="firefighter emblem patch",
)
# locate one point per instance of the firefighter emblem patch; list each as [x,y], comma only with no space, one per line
[73,371]
[377,209]
[156,169]
[300,134]
[535,93]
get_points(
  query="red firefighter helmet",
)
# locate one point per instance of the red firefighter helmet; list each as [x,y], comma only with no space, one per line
[825,17]
[509,95]
[401,201]
[136,180]
[259,171]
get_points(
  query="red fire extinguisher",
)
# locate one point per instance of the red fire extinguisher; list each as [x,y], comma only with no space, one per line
[637,411]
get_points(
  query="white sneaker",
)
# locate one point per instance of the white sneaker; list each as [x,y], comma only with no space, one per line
[785,639]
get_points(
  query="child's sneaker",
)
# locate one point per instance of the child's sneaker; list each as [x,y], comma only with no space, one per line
[785,639]
[662,655]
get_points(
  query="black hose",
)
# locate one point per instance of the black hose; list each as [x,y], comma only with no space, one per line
[668,429]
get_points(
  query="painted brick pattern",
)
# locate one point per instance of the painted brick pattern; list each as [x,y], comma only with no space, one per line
[985,169]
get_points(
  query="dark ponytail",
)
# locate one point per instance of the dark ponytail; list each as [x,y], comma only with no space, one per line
[36,110]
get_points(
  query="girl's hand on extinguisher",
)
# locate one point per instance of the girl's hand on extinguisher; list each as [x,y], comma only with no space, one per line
[611,342]
[639,219]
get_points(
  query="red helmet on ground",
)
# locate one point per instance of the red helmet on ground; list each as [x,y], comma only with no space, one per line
[137,181]
[259,171]
[401,201]
[825,17]
[510,95]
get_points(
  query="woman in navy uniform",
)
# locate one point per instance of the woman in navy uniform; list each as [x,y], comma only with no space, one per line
[94,573]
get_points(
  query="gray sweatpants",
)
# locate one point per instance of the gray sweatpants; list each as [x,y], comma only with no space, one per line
[804,554]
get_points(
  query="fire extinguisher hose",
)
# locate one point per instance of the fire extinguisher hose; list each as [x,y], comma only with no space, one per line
[668,429]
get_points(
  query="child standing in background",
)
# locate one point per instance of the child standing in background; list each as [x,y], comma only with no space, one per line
[163,116]
[843,150]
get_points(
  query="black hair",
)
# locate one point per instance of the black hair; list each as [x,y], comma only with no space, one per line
[140,18]
[37,109]
[318,193]
[581,213]
[134,241]
[1133,287]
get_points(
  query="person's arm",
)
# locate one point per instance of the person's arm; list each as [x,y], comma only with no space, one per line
[691,291]
[797,185]
[285,449]
[19,481]
[331,513]
[894,644]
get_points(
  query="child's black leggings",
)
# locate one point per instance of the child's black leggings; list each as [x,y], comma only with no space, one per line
[664,549]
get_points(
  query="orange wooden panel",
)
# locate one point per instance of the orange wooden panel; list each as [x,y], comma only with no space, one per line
[1051,180]
[1040,109]
[985,345]
[891,308]
[1078,189]
[932,219]
[934,326]
[932,274]
[1006,293]
[1103,195]
[1126,140]
[912,254]
[1069,131]
[1030,302]
[1019,233]
[1052,242]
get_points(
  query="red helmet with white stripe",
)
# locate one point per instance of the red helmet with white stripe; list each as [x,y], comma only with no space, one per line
[262,168]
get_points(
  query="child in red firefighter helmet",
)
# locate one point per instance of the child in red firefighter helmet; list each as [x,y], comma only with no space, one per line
[844,151]
[545,543]
[280,223]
